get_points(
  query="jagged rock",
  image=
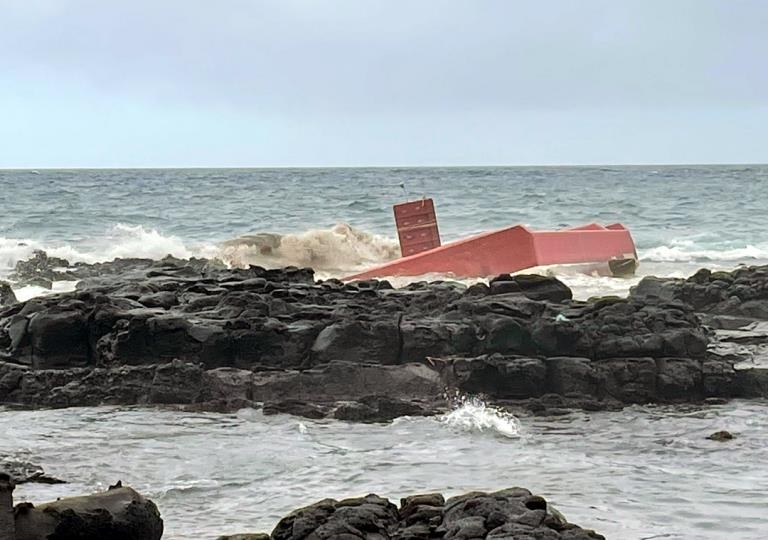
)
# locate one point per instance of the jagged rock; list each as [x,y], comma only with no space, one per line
[118,514]
[508,514]
[277,336]
[41,270]
[7,296]
[22,472]
[741,293]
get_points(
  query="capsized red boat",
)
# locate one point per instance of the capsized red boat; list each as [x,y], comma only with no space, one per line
[503,251]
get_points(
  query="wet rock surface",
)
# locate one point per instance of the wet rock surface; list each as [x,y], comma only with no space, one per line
[512,513]
[7,296]
[742,293]
[22,472]
[721,436]
[118,514]
[194,333]
[246,536]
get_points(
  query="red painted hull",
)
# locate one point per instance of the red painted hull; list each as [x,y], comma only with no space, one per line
[513,249]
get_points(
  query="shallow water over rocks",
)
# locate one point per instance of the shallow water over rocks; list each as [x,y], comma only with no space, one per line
[644,472]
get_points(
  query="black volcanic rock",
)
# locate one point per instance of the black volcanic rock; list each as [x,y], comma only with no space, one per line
[22,472]
[742,292]
[7,296]
[507,514]
[41,270]
[194,333]
[533,286]
[118,514]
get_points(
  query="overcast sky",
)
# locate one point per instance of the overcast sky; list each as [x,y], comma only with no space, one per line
[97,83]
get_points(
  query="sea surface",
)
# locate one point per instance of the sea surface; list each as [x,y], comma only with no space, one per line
[646,472]
[340,220]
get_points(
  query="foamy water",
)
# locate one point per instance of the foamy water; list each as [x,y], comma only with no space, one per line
[645,472]
[640,473]
[339,221]
[473,414]
[344,250]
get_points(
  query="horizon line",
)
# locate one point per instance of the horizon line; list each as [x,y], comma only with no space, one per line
[423,166]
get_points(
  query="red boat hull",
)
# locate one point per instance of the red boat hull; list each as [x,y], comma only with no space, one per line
[514,249]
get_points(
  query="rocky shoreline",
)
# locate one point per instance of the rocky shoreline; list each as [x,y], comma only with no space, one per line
[192,333]
[120,513]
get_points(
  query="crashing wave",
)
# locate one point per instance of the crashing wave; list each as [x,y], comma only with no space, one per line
[341,249]
[473,414]
[687,251]
[344,250]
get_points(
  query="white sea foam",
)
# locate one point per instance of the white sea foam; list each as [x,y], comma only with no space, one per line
[31,291]
[473,414]
[685,251]
[343,250]
[120,241]
[333,252]
[137,241]
[336,251]
[12,250]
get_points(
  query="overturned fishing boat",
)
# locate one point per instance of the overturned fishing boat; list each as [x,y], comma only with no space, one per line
[607,250]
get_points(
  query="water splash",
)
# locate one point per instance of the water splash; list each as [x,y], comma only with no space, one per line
[473,414]
[688,251]
[343,250]
[339,250]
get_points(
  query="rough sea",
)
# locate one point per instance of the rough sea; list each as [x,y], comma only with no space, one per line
[645,472]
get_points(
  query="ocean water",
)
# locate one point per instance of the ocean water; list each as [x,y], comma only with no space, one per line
[645,472]
[340,220]
[642,473]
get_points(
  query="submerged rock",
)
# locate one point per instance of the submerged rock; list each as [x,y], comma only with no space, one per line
[25,472]
[721,436]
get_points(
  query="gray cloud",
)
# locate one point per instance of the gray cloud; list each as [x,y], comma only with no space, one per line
[346,62]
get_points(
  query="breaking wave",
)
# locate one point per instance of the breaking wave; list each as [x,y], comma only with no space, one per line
[121,241]
[337,250]
[473,414]
[688,251]
[342,250]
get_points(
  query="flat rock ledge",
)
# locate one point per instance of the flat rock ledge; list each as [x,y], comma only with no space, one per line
[194,334]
